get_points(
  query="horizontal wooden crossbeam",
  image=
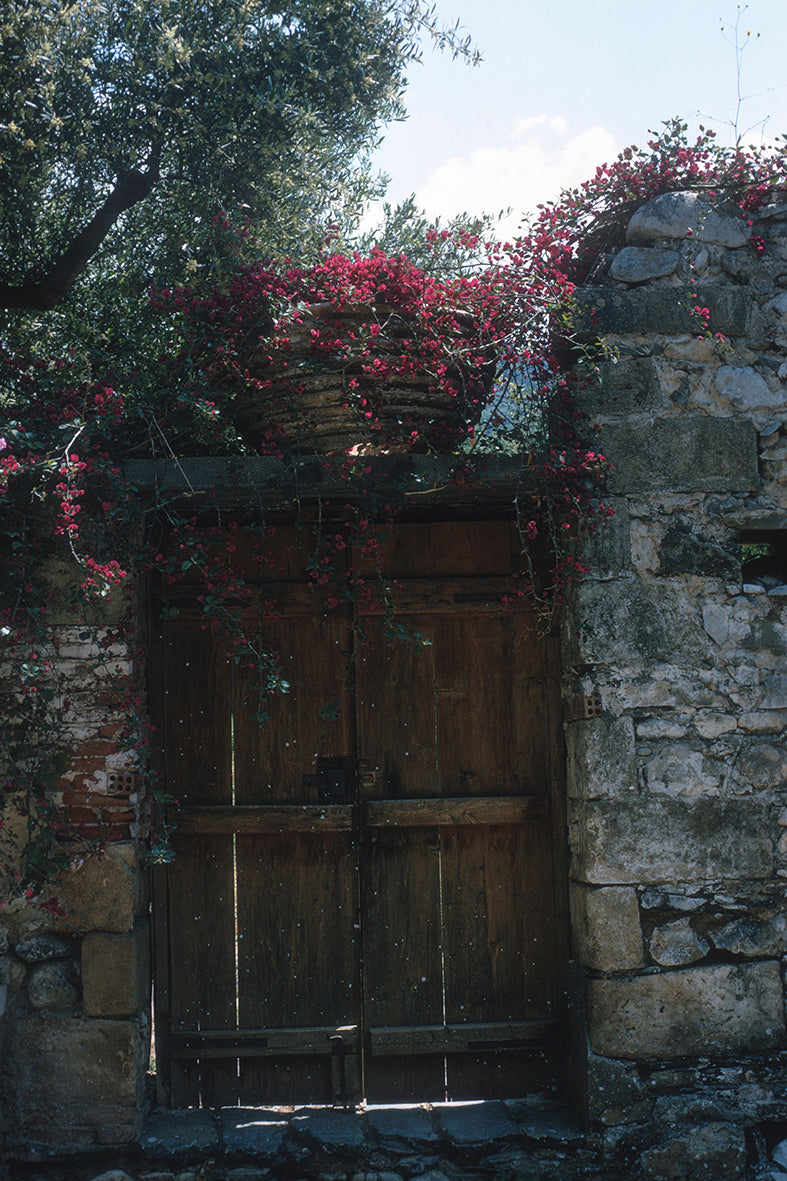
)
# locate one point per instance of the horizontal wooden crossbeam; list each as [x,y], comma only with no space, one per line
[251,820]
[473,810]
[259,1043]
[455,1039]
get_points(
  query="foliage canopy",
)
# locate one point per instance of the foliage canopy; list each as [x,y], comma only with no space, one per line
[124,124]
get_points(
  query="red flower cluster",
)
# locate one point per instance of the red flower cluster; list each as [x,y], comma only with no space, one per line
[384,329]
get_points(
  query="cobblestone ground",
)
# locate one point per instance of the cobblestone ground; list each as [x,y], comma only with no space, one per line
[490,1141]
[502,1141]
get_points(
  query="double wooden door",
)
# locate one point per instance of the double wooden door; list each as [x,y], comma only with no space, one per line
[365,898]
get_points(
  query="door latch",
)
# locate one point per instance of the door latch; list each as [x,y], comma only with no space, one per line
[336,780]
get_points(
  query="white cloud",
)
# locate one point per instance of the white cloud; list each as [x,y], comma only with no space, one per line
[541,159]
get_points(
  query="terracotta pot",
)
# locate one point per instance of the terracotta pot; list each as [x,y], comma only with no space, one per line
[297,395]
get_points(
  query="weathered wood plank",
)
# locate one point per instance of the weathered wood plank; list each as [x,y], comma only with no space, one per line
[202,959]
[453,1039]
[196,1043]
[197,726]
[297,944]
[475,721]
[402,955]
[258,820]
[447,549]
[277,762]
[447,596]
[438,812]
[461,596]
[395,706]
[197,743]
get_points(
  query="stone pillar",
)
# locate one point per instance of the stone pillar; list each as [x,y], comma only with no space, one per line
[677,795]
[74,961]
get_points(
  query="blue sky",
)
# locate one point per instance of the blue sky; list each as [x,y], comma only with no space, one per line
[568,84]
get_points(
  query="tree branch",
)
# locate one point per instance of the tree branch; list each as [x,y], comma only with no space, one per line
[58,277]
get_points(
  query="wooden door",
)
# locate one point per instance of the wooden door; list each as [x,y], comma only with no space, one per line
[374,878]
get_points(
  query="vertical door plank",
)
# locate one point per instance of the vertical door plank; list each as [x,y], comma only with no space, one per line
[297,952]
[314,720]
[396,712]
[499,947]
[556,760]
[482,910]
[297,892]
[197,739]
[403,957]
[198,759]
[498,910]
[531,736]
[202,970]
[475,736]
[402,953]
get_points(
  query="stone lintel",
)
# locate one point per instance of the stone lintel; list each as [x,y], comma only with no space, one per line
[601,311]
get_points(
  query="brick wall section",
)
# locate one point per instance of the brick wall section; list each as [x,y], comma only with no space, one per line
[678,799]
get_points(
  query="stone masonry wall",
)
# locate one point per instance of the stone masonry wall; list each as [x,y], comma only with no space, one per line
[678,787]
[74,960]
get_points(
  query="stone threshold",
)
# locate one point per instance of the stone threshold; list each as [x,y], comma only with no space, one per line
[271,1135]
[532,1139]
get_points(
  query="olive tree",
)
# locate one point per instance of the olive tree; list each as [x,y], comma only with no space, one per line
[125,125]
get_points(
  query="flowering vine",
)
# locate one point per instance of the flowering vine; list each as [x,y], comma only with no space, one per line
[462,360]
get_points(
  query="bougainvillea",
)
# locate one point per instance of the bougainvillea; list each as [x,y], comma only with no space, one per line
[285,350]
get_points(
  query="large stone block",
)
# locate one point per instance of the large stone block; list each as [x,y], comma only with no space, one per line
[72,1080]
[684,215]
[685,549]
[690,454]
[601,759]
[647,840]
[714,1152]
[627,386]
[762,933]
[100,892]
[675,944]
[601,311]
[115,973]
[721,1008]
[61,579]
[627,622]
[683,769]
[606,928]
[637,264]
[613,1085]
[606,552]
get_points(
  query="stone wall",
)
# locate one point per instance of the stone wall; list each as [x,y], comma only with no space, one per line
[677,792]
[74,959]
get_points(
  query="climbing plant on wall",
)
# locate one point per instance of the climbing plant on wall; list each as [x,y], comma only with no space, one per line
[487,340]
